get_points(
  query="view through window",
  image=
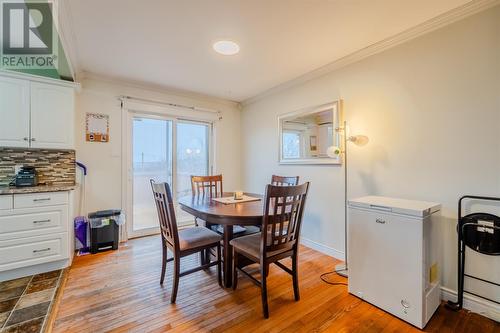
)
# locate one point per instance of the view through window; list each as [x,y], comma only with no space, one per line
[153,158]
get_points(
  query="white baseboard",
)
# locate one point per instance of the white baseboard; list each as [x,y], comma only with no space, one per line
[473,303]
[323,248]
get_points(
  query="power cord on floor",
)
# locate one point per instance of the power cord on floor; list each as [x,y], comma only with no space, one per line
[322,277]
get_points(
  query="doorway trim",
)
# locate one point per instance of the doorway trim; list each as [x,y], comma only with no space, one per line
[164,113]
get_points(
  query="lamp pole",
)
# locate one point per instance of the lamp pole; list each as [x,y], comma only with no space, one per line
[341,269]
[359,140]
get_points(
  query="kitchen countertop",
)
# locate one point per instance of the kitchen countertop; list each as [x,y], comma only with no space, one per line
[35,189]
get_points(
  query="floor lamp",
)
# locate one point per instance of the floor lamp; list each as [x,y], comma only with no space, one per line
[334,152]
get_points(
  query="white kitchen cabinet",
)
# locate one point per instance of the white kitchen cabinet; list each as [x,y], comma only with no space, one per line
[29,200]
[33,251]
[36,114]
[52,109]
[14,112]
[391,253]
[6,201]
[35,233]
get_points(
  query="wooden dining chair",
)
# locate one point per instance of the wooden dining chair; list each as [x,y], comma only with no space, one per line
[210,186]
[207,185]
[281,223]
[182,242]
[284,181]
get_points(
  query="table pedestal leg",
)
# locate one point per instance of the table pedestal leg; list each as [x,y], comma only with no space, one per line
[228,256]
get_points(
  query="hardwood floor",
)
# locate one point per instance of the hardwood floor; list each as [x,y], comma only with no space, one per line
[119,291]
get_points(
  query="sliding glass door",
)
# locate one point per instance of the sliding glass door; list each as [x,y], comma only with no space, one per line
[193,148]
[166,150]
[151,159]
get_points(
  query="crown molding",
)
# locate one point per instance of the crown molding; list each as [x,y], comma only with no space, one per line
[38,78]
[66,35]
[86,75]
[454,15]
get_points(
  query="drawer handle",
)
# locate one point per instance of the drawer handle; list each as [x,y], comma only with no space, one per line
[41,199]
[41,250]
[42,221]
[380,221]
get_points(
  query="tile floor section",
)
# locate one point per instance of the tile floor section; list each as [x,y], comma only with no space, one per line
[26,302]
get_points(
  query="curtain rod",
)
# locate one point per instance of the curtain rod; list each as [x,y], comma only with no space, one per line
[194,108]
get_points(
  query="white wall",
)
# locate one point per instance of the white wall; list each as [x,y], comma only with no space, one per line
[104,160]
[431,108]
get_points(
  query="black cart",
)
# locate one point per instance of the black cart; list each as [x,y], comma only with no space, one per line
[480,232]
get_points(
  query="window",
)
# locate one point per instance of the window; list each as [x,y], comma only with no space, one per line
[292,143]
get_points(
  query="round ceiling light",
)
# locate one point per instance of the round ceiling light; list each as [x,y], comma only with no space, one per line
[226,47]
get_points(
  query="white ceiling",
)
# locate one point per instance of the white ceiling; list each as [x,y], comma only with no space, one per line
[169,42]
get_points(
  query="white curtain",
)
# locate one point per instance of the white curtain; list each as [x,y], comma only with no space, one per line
[123,232]
[123,229]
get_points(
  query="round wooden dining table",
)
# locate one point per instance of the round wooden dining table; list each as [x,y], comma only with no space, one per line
[241,213]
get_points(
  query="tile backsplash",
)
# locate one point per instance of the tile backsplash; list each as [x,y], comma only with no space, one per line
[54,167]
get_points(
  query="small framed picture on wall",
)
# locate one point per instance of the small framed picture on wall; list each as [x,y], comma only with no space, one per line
[97,127]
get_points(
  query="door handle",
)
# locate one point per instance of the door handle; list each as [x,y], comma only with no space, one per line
[380,221]
[25,139]
[33,139]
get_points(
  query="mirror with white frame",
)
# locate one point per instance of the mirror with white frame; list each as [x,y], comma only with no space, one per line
[306,134]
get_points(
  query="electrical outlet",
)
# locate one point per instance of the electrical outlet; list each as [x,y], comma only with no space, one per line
[17,168]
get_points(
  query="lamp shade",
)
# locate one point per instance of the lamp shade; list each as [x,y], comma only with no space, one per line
[333,151]
[359,140]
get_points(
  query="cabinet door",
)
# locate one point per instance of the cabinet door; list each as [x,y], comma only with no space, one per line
[52,109]
[14,112]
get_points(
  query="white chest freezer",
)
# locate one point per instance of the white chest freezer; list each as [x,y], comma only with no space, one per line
[393,256]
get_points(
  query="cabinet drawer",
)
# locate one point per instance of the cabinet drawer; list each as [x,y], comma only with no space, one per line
[6,201]
[40,199]
[32,224]
[33,250]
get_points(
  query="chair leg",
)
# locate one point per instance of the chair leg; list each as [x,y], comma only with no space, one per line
[235,268]
[202,257]
[295,277]
[163,265]
[207,255]
[263,286]
[175,285]
[219,265]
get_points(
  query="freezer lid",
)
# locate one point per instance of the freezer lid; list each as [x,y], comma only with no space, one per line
[395,205]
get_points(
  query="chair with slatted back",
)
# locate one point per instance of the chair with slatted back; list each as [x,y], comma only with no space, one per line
[207,185]
[282,220]
[210,186]
[284,181]
[182,242]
